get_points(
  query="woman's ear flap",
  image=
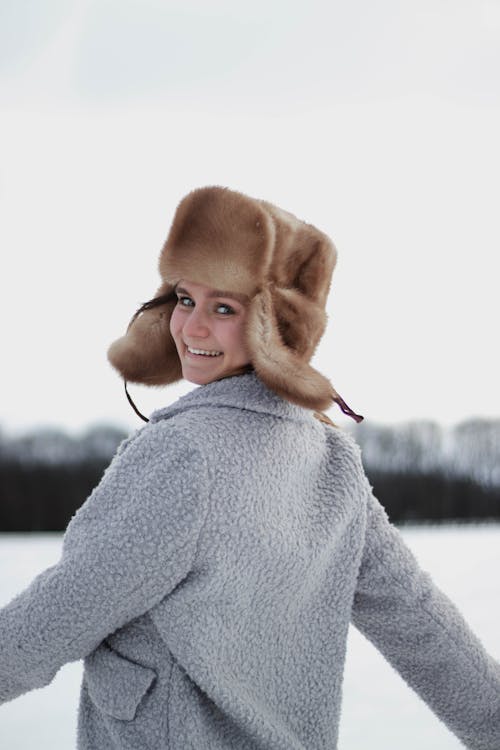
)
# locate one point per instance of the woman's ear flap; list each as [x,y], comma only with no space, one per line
[301,322]
[147,353]
[277,365]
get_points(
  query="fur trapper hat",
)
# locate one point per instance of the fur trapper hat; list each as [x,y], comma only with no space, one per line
[283,266]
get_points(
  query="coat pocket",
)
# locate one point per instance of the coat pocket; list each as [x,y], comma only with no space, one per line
[115,684]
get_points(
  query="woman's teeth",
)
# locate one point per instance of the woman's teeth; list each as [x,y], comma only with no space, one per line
[203,351]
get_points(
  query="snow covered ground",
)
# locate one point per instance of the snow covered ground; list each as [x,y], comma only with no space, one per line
[379,710]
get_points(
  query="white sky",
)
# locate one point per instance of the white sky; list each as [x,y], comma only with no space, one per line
[378,122]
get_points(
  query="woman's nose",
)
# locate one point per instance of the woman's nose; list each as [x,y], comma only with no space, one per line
[196,324]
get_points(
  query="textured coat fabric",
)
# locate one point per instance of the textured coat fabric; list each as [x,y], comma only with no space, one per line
[210,579]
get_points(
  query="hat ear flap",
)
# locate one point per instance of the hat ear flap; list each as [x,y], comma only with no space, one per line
[147,353]
[301,322]
[279,366]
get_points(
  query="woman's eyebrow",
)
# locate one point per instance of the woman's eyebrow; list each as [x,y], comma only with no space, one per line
[242,298]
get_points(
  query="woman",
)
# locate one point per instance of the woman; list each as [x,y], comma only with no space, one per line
[209,580]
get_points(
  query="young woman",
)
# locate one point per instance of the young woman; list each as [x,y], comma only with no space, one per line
[208,582]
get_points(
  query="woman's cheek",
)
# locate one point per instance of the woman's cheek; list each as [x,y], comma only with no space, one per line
[175,323]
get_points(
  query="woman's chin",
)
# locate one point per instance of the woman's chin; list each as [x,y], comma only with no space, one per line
[202,378]
[198,377]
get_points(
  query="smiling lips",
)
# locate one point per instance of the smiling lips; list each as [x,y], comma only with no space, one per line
[202,352]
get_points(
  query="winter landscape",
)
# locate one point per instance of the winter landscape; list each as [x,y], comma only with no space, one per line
[379,710]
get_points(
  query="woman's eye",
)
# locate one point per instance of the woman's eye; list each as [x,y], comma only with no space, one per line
[228,310]
[221,308]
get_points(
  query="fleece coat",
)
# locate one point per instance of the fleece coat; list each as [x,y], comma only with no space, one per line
[209,580]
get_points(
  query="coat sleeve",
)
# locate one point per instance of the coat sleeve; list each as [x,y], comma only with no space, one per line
[125,549]
[424,636]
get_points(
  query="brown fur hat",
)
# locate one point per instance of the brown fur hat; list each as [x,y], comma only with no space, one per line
[227,240]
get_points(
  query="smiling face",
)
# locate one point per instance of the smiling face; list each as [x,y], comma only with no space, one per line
[211,323]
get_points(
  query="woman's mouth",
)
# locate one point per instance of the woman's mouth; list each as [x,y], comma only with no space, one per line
[198,353]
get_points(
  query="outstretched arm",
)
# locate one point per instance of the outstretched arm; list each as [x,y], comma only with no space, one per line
[424,636]
[125,549]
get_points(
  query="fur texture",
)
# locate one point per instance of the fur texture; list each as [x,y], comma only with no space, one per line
[284,266]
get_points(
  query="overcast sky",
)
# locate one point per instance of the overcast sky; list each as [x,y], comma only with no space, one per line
[378,122]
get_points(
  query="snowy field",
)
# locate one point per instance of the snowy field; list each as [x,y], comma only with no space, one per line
[379,711]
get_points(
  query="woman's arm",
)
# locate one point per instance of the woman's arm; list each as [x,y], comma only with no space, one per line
[424,636]
[126,548]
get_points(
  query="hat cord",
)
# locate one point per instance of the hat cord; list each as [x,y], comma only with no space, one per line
[338,399]
[134,407]
[347,409]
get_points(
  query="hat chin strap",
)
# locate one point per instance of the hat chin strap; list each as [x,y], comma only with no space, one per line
[338,399]
[346,409]
[134,407]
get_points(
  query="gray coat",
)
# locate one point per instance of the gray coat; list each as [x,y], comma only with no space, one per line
[209,582]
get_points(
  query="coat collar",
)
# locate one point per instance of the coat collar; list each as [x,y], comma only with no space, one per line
[244,391]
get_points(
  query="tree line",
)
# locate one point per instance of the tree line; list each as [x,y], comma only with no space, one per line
[419,471]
